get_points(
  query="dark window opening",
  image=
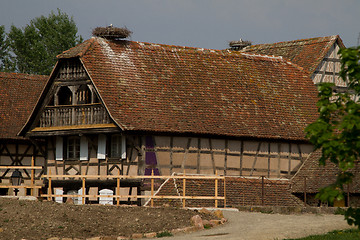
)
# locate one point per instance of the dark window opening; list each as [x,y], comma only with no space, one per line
[95,99]
[65,96]
[115,146]
[73,148]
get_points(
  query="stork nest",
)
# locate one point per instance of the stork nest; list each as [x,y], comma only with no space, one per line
[239,43]
[111,32]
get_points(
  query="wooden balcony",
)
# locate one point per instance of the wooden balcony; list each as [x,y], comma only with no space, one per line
[85,114]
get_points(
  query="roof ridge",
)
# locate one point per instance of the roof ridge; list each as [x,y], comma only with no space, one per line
[14,74]
[305,40]
[273,58]
[267,57]
[176,46]
[81,51]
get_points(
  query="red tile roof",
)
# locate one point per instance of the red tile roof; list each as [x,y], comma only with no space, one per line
[18,93]
[162,88]
[321,176]
[307,53]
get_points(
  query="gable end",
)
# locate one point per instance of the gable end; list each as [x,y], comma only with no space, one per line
[72,103]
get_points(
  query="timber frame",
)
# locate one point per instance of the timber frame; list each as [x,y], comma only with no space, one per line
[21,154]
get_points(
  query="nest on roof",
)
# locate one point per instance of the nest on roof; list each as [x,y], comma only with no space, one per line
[111,32]
[239,43]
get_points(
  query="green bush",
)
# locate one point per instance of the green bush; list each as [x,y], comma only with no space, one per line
[335,235]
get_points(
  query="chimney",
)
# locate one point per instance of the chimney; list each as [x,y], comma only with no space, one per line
[238,45]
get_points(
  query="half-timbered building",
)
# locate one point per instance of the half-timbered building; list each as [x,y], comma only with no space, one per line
[133,107]
[115,106]
[318,56]
[19,94]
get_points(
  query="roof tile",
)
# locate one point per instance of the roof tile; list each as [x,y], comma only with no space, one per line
[18,93]
[307,53]
[162,88]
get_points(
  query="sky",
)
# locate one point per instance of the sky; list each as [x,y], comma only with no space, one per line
[200,23]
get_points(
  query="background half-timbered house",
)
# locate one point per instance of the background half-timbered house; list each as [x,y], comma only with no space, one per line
[318,56]
[19,94]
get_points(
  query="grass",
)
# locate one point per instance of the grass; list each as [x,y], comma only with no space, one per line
[335,235]
[164,234]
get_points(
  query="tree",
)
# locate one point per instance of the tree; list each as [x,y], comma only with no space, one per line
[36,46]
[5,64]
[337,130]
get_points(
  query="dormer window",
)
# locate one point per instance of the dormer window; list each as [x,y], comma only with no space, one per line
[73,101]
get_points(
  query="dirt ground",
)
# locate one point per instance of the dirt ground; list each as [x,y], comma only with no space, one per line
[41,220]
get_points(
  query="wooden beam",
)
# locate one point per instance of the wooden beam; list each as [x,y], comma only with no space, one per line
[185,154]
[212,156]
[335,60]
[279,159]
[198,157]
[215,152]
[132,177]
[21,186]
[327,73]
[136,196]
[22,167]
[171,154]
[289,159]
[226,155]
[269,162]
[241,156]
[256,156]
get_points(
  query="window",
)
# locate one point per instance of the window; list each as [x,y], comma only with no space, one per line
[73,148]
[65,96]
[118,147]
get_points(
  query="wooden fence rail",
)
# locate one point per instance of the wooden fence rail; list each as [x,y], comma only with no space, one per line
[32,185]
[152,196]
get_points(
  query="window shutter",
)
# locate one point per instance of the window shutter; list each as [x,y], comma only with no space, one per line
[59,148]
[123,147]
[101,154]
[84,148]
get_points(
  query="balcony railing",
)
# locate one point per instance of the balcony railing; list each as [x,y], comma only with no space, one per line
[86,114]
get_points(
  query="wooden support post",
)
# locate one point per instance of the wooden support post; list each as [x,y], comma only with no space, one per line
[224,192]
[262,190]
[305,191]
[32,176]
[216,190]
[241,156]
[184,188]
[83,191]
[118,189]
[49,189]
[152,188]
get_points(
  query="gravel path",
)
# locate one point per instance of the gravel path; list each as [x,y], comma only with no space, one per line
[259,226]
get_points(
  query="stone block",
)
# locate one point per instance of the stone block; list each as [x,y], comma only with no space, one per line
[137,235]
[150,235]
[219,214]
[196,221]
